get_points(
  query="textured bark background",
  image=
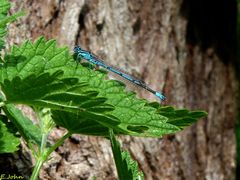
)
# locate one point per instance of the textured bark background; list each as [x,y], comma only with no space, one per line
[148,39]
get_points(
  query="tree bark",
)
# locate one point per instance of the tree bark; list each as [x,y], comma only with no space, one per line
[148,39]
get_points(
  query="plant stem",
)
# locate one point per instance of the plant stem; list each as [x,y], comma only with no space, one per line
[37,168]
[43,143]
[58,143]
[45,154]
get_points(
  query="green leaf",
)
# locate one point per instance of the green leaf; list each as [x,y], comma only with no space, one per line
[5,19]
[29,131]
[181,117]
[126,167]
[41,71]
[8,141]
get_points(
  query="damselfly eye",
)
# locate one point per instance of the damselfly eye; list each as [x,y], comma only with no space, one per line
[76,49]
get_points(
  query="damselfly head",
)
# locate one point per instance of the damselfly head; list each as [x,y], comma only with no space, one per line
[77,49]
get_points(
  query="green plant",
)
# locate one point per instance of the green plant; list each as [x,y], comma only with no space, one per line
[48,79]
